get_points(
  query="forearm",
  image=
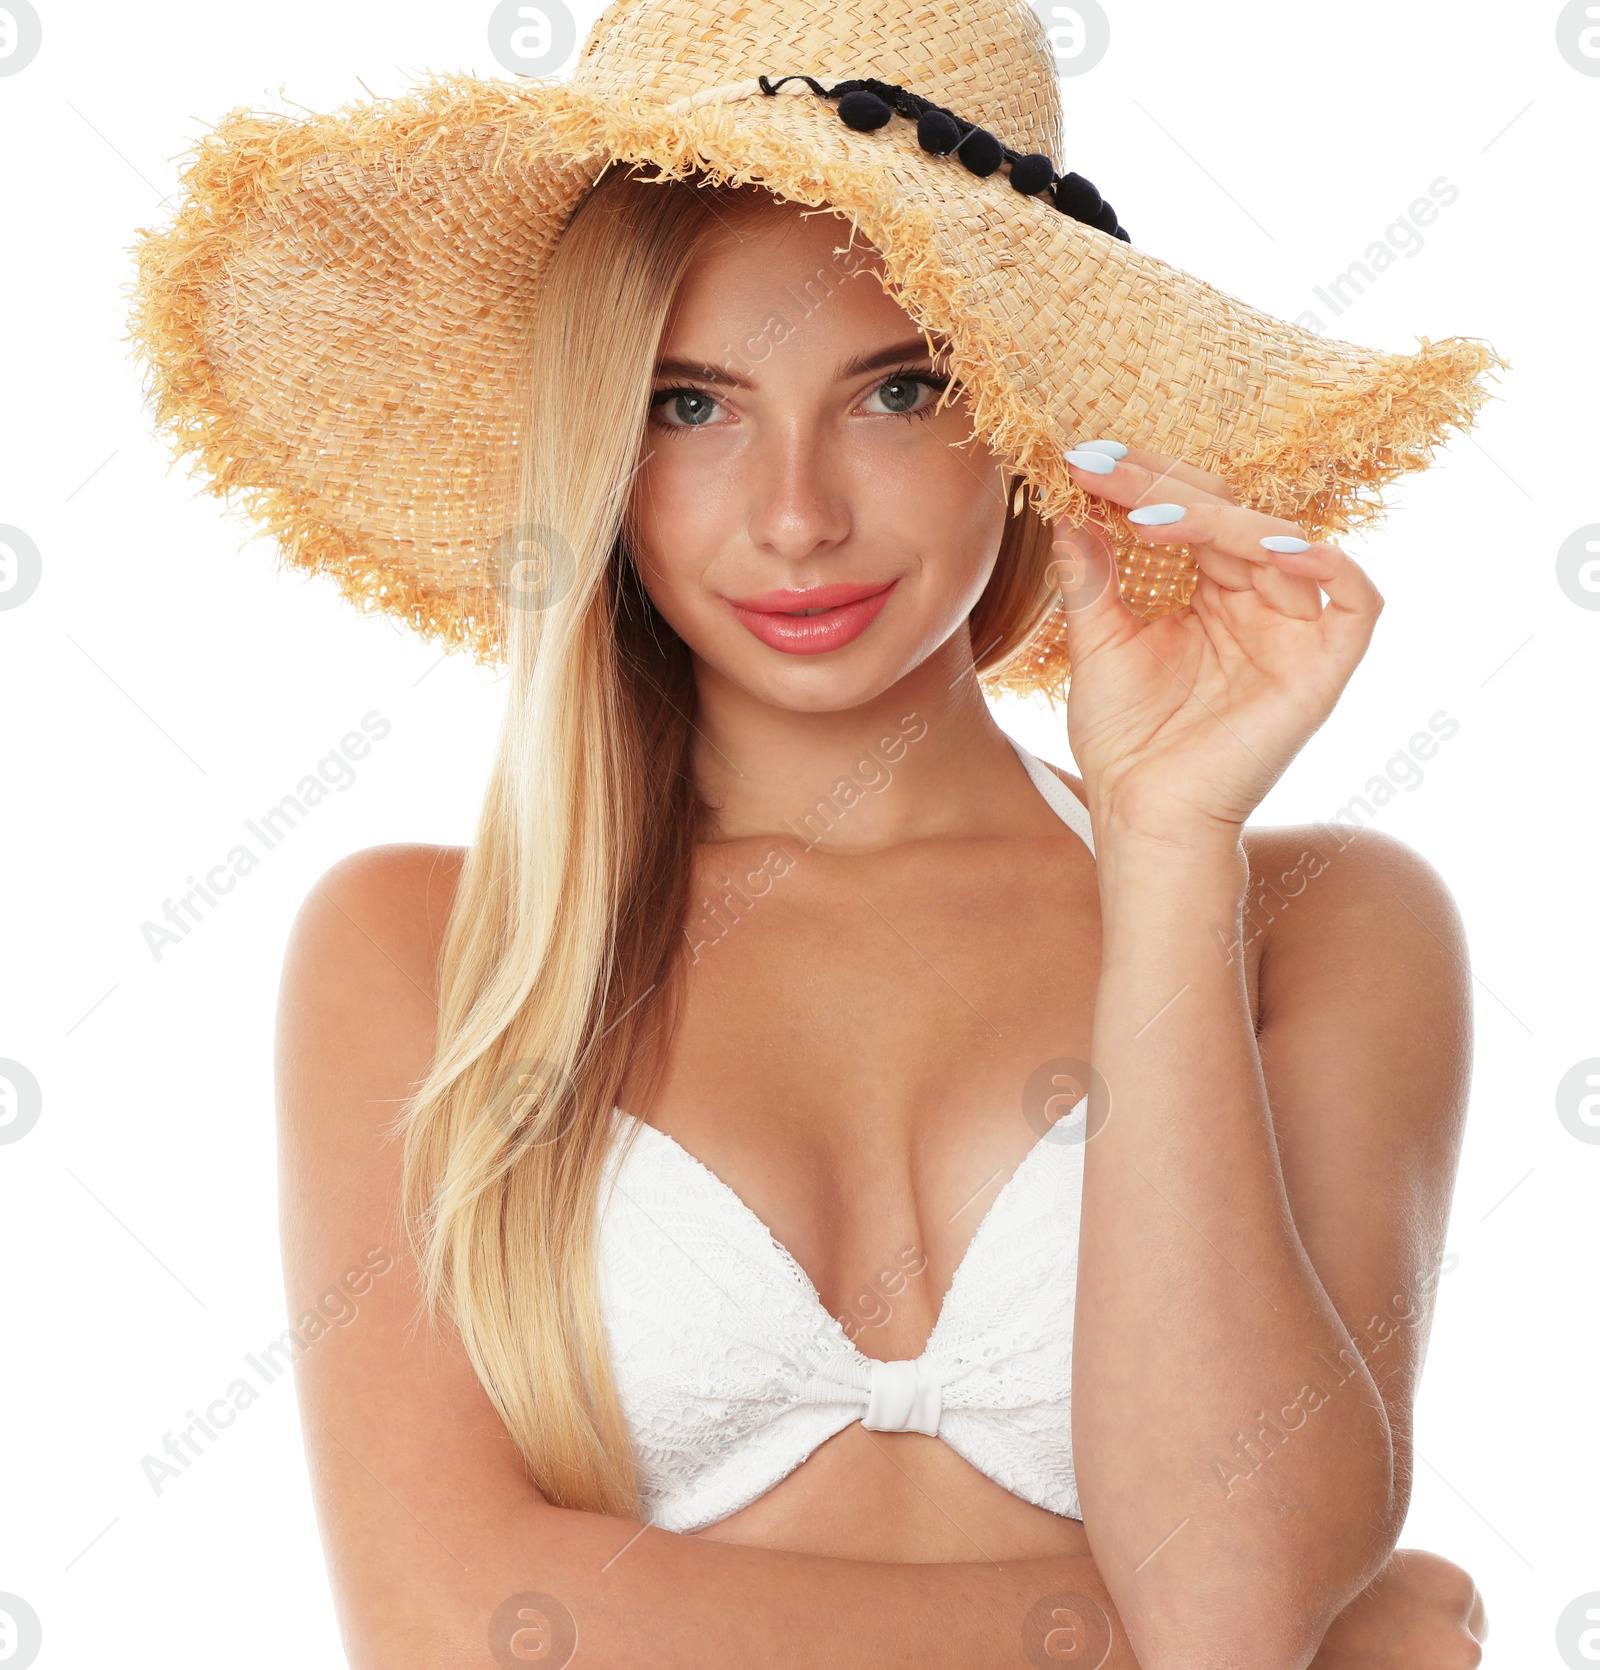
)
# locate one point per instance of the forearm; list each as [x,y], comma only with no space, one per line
[1234,1454]
[680,1601]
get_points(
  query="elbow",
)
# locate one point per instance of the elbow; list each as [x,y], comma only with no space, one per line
[406,1635]
[437,1651]
[1255,1584]
[1270,1610]
[367,1649]
[1231,1643]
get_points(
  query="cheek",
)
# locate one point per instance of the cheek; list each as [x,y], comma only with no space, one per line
[949,503]
[683,511]
[934,471]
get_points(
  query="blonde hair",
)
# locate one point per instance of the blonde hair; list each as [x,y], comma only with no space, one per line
[561,961]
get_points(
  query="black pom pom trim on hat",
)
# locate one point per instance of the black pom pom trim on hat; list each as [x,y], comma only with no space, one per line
[939,132]
[863,111]
[1032,174]
[866,105]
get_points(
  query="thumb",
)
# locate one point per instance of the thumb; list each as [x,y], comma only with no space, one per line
[1084,573]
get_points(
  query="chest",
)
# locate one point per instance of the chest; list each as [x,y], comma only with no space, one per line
[867,1046]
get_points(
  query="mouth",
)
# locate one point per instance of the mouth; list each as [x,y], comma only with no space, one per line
[814,620]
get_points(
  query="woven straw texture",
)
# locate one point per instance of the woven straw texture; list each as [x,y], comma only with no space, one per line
[333,320]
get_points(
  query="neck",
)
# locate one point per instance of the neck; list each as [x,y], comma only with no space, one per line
[923,759]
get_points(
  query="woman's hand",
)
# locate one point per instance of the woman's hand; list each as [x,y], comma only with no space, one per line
[1419,1613]
[1181,725]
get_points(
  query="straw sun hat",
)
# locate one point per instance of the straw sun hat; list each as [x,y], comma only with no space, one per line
[332,320]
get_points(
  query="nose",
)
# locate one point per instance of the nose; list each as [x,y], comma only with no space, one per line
[800,504]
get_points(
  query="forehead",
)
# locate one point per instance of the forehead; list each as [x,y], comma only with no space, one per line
[797,277]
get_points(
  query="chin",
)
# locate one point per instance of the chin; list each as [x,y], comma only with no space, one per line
[821,688]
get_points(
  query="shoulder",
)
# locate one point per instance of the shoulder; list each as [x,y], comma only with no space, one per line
[388,904]
[1308,881]
[1364,964]
[360,974]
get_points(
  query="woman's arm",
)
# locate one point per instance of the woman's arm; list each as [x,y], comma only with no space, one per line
[1242,1475]
[1221,1399]
[429,1522]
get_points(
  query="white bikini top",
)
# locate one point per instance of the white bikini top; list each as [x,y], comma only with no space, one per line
[731,1371]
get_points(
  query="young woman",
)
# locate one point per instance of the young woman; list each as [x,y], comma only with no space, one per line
[859,1195]
[822,1185]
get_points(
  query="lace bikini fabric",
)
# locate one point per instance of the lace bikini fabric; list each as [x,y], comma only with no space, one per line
[731,1371]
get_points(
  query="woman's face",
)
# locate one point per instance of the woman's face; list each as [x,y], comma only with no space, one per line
[793,461]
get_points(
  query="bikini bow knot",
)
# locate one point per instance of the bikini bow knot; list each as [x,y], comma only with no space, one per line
[905,1396]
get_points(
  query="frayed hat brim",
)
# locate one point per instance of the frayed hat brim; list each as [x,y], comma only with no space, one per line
[332,323]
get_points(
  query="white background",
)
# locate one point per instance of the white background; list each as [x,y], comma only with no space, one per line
[166,682]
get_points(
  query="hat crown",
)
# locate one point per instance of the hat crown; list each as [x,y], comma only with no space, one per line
[986,60]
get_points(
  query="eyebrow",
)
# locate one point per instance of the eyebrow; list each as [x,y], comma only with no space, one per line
[898,353]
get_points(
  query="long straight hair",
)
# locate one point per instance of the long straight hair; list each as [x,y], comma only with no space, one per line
[562,960]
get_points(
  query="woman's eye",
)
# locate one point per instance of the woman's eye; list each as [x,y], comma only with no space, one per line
[688,408]
[903,394]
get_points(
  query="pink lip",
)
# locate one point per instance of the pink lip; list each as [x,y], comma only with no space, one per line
[850,611]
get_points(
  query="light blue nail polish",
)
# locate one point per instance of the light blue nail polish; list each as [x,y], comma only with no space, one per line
[1096,463]
[1158,515]
[1112,449]
[1285,542]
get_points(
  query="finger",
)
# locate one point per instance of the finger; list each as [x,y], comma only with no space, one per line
[1226,540]
[1354,603]
[1129,482]
[1349,587]
[1286,595]
[1162,467]
[1292,595]
[1230,572]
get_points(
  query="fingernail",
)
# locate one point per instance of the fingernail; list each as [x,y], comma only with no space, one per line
[1112,449]
[1285,542]
[1158,515]
[1096,463]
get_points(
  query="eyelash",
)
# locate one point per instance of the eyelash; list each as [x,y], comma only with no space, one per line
[905,374]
